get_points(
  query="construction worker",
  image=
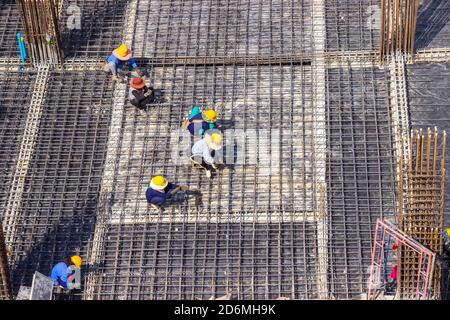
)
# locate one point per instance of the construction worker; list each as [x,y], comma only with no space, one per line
[62,275]
[199,122]
[140,95]
[446,235]
[392,283]
[203,151]
[160,190]
[117,59]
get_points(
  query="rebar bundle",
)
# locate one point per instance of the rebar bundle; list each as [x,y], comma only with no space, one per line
[40,21]
[5,284]
[421,212]
[398,26]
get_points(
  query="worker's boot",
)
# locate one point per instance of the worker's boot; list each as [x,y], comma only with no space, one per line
[158,208]
[195,164]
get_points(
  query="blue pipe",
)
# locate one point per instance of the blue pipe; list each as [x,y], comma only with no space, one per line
[23,50]
[386,256]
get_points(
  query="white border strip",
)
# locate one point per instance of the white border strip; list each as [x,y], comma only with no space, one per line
[27,145]
[320,147]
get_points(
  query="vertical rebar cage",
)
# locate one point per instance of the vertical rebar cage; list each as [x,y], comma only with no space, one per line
[398,26]
[422,262]
[40,22]
[421,213]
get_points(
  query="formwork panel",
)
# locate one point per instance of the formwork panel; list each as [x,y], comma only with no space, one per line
[200,261]
[429,96]
[433,25]
[270,109]
[101,27]
[360,172]
[352,25]
[59,204]
[9,26]
[223,28]
[15,96]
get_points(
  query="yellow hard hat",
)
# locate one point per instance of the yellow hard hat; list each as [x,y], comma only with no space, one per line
[77,261]
[122,50]
[210,115]
[158,183]
[216,138]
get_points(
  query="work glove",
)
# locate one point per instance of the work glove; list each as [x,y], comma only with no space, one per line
[215,166]
[139,72]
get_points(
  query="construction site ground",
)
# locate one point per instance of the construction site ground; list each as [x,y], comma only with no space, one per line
[295,221]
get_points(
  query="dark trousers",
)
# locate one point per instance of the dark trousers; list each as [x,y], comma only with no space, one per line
[142,105]
[142,102]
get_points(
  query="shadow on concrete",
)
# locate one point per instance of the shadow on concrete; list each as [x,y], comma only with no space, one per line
[101,28]
[434,15]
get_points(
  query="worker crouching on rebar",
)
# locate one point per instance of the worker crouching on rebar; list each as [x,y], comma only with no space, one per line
[204,151]
[140,95]
[64,273]
[117,59]
[200,121]
[160,190]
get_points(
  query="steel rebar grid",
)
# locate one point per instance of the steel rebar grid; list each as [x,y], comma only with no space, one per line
[223,28]
[101,28]
[213,229]
[9,26]
[180,84]
[352,25]
[360,173]
[59,201]
[15,97]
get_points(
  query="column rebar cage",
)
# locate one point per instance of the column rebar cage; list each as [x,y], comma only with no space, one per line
[40,24]
[398,27]
[421,205]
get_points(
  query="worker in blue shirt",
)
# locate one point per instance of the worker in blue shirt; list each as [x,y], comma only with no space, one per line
[201,121]
[160,190]
[61,274]
[118,58]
